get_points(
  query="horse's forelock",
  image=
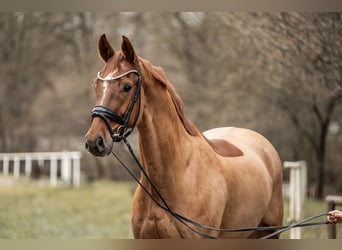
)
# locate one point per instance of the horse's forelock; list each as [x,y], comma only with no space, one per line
[113,63]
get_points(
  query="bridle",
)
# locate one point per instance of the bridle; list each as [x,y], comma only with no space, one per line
[107,114]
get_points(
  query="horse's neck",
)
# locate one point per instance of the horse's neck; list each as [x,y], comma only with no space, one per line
[163,140]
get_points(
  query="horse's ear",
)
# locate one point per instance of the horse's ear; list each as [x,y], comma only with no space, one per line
[105,49]
[128,50]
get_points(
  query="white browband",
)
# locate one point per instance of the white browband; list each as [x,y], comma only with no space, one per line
[115,77]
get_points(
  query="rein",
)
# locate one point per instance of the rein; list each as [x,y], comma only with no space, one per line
[107,114]
[189,223]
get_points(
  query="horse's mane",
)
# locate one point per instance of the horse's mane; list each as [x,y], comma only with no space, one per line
[158,74]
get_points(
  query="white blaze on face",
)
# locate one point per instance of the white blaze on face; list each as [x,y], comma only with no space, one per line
[105,83]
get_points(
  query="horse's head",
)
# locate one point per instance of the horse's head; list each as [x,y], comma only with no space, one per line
[117,88]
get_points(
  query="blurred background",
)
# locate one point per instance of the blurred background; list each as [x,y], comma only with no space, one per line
[277,73]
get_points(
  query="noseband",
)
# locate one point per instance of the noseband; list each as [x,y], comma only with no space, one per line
[107,114]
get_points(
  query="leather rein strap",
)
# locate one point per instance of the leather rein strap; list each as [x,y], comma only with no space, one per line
[195,226]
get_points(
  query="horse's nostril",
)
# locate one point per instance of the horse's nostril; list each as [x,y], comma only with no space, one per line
[100,144]
[99,141]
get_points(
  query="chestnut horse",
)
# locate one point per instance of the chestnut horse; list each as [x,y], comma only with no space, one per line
[224,178]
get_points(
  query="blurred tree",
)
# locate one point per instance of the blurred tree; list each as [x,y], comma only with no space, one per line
[300,55]
[35,45]
[249,63]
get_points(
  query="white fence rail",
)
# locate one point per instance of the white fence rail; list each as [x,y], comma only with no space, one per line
[297,194]
[69,162]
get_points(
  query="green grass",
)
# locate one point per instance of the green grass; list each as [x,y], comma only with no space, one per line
[100,210]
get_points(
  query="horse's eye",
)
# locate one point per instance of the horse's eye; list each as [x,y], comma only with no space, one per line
[127,88]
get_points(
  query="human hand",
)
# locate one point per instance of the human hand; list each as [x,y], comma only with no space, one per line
[335,217]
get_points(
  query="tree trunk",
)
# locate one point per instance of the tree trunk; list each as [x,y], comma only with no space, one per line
[321,160]
[3,139]
[321,147]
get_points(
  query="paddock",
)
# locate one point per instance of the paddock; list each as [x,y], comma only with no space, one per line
[67,163]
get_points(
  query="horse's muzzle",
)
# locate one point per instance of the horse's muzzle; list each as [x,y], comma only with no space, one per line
[98,146]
